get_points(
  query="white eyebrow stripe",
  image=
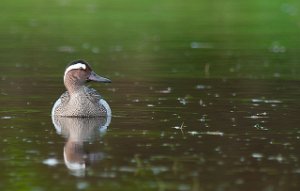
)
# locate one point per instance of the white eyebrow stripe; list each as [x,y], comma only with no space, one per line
[75,67]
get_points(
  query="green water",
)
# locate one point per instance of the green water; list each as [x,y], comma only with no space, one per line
[205,95]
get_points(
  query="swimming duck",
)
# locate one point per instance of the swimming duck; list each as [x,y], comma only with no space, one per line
[80,100]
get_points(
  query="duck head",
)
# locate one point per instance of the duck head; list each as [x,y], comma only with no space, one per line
[78,73]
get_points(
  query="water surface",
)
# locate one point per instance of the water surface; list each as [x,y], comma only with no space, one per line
[186,134]
[205,95]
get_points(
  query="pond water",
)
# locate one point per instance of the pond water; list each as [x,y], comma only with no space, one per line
[204,96]
[187,134]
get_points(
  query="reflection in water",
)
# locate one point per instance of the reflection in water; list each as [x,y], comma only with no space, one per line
[77,131]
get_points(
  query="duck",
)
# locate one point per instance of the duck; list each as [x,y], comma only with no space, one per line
[79,100]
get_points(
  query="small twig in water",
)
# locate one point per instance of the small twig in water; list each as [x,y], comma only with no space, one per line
[181,127]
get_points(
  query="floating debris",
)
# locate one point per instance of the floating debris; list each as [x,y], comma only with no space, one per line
[6,117]
[193,132]
[177,127]
[51,162]
[202,87]
[260,127]
[262,114]
[278,158]
[257,155]
[216,133]
[258,116]
[255,117]
[183,101]
[166,91]
[201,103]
[136,100]
[203,118]
[266,101]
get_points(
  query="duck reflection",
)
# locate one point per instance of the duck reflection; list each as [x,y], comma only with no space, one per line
[78,131]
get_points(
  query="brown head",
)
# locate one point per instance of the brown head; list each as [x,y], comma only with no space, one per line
[78,73]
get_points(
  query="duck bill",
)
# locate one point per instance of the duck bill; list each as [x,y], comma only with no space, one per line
[96,78]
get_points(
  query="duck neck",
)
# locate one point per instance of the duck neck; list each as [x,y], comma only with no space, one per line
[74,87]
